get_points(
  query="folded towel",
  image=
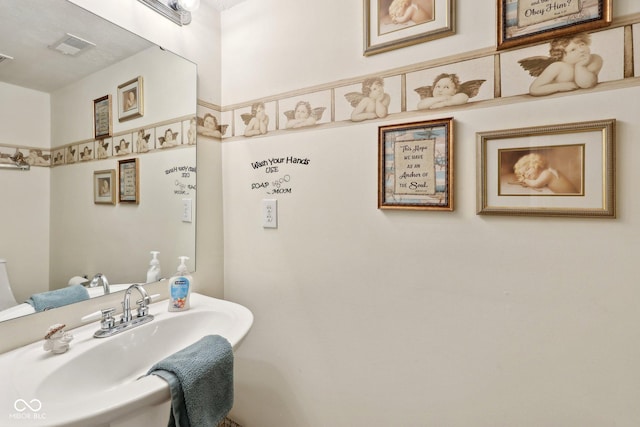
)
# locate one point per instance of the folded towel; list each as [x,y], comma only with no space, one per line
[200,378]
[58,298]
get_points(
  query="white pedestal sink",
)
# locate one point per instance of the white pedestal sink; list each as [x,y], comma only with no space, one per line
[101,382]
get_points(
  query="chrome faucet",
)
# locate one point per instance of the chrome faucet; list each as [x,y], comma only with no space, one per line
[108,324]
[100,280]
[143,309]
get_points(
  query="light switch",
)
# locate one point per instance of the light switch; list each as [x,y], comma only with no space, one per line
[186,210]
[269,213]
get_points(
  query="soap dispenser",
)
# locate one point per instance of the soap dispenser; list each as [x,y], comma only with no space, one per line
[180,287]
[153,274]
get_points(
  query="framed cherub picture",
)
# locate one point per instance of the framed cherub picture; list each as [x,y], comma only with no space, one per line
[130,99]
[104,187]
[529,21]
[393,24]
[558,170]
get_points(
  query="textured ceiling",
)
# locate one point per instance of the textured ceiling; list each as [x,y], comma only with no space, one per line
[28,27]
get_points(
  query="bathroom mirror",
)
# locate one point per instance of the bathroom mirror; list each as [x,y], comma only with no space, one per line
[69,110]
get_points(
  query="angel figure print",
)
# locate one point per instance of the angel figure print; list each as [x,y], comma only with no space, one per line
[447,90]
[257,122]
[372,103]
[569,66]
[208,126]
[142,140]
[170,139]
[303,115]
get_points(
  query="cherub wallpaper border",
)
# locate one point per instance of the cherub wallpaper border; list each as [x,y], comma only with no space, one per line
[464,81]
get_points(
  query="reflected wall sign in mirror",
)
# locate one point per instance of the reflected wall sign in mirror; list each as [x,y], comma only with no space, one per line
[57,229]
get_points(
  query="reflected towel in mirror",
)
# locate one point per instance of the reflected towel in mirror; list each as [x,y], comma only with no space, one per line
[200,378]
[58,297]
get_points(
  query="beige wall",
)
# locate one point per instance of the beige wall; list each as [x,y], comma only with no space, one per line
[366,317]
[25,195]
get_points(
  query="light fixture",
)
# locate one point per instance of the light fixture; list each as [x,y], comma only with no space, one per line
[178,11]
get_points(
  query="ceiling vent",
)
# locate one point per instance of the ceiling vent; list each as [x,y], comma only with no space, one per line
[4,57]
[71,45]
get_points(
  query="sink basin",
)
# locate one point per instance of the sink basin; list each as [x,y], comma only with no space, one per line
[101,380]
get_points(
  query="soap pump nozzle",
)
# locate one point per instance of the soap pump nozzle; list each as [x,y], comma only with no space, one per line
[182,268]
[154,259]
[153,274]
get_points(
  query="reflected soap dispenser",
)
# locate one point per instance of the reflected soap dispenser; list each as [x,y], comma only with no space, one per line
[180,287]
[153,274]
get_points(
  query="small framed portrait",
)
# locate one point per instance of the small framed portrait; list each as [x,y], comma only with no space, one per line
[393,24]
[129,188]
[102,121]
[558,170]
[130,99]
[529,21]
[104,187]
[415,166]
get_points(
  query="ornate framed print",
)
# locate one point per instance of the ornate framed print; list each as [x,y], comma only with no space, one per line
[130,99]
[129,188]
[415,166]
[392,24]
[102,120]
[558,170]
[528,21]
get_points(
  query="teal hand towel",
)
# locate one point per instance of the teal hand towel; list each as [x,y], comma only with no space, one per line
[58,298]
[200,378]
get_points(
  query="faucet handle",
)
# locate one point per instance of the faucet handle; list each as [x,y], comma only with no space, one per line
[143,309]
[108,321]
[143,304]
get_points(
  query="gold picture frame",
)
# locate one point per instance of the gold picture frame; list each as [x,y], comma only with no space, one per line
[131,99]
[104,187]
[529,21]
[129,181]
[388,27]
[415,166]
[102,119]
[558,170]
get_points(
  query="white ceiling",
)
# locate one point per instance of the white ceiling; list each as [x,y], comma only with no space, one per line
[28,27]
[224,4]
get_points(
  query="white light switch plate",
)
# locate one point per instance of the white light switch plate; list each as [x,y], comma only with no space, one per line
[186,210]
[269,213]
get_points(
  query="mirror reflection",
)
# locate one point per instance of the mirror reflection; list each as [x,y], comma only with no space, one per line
[109,182]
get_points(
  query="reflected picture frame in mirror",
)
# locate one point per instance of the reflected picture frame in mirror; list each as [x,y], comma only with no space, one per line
[131,99]
[104,187]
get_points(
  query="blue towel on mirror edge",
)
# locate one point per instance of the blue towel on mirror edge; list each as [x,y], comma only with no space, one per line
[58,298]
[200,378]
